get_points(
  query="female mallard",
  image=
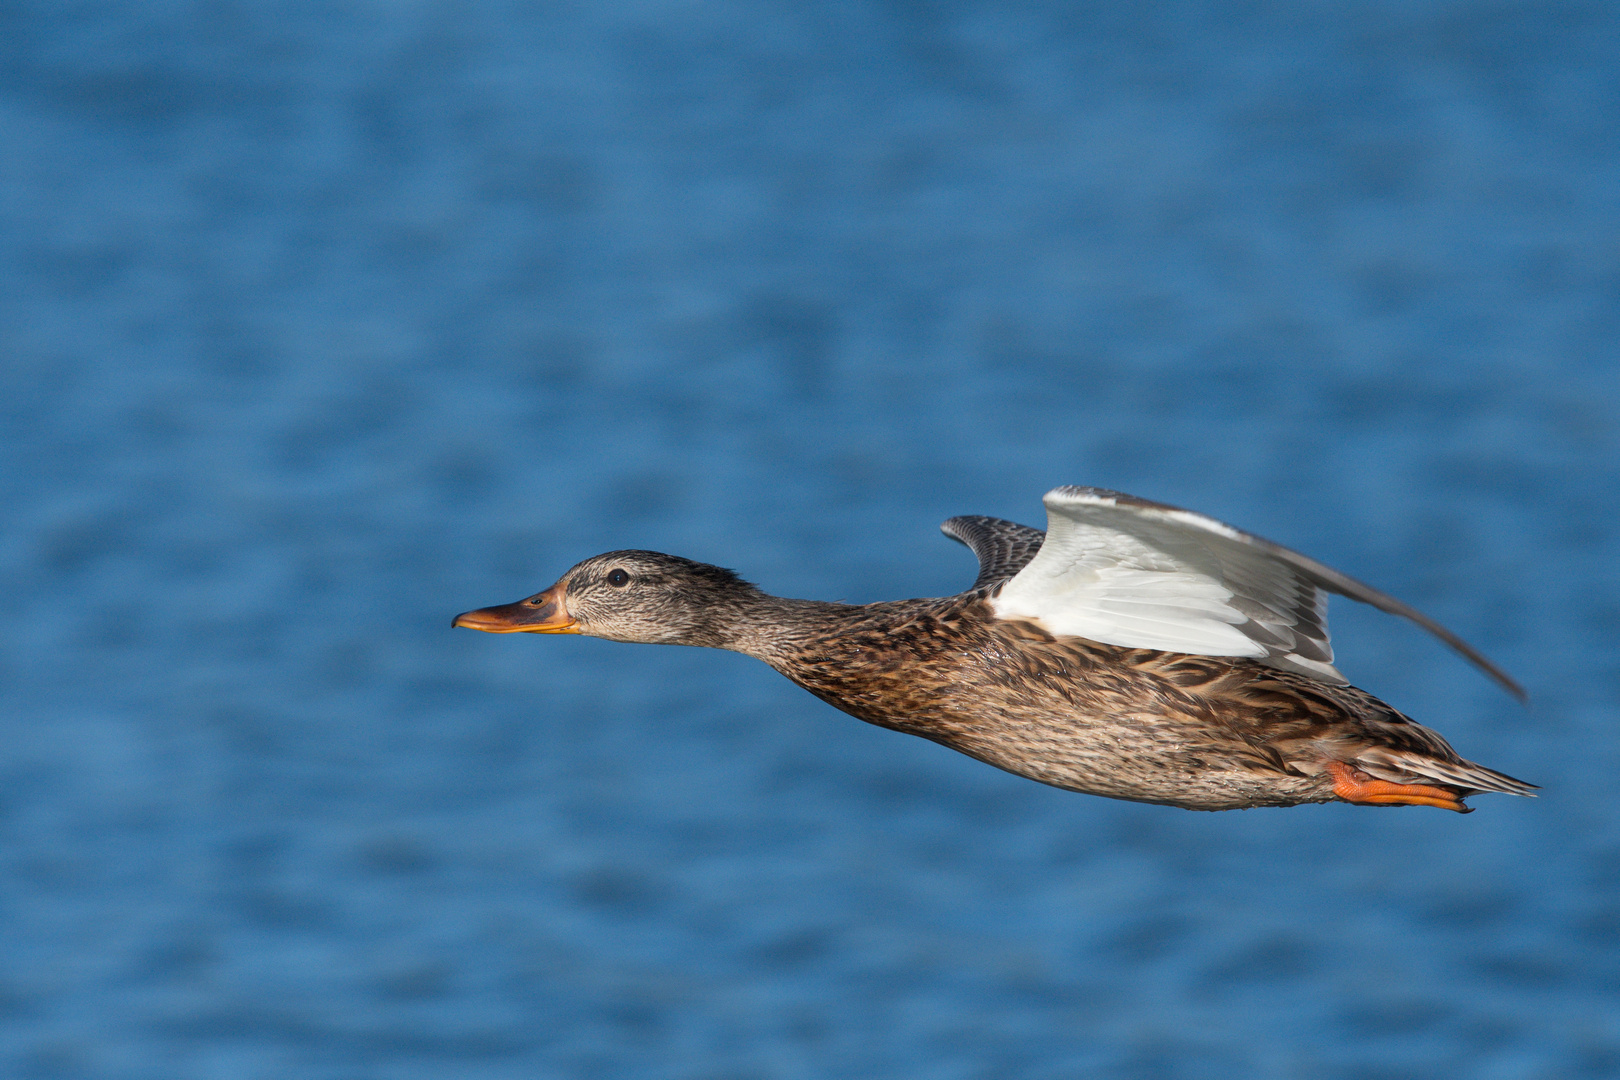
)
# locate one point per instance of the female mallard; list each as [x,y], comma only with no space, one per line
[1133,650]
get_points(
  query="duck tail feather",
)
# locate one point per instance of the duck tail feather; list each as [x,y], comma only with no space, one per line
[1401,766]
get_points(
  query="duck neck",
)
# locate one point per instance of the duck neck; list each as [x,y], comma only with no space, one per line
[770,627]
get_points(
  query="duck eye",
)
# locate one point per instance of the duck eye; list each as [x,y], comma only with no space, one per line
[618,578]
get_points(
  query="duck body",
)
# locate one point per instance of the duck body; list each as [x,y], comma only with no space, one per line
[1204,733]
[987,675]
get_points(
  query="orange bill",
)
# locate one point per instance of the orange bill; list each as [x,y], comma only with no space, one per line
[543,614]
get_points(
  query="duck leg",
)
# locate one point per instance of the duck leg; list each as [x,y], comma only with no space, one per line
[1354,786]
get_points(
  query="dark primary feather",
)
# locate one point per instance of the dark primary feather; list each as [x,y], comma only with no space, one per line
[1003,547]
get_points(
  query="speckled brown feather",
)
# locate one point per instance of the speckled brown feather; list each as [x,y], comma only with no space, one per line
[1206,733]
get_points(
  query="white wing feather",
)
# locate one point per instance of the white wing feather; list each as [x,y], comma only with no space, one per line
[1125,571]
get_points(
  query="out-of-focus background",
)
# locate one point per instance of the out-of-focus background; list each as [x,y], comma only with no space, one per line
[320,323]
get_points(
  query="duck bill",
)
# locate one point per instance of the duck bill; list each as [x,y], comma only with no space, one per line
[548,616]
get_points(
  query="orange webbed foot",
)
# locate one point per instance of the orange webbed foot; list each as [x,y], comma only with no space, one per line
[1354,786]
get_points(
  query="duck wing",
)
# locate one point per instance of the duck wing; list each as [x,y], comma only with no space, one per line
[1139,574]
[1003,547]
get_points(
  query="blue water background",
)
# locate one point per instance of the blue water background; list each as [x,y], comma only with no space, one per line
[320,323]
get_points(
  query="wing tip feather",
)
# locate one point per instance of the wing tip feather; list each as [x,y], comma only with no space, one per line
[1325,578]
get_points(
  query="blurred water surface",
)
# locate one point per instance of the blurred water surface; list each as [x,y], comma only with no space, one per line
[322,323]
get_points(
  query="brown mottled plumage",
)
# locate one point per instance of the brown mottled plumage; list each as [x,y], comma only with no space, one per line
[1202,732]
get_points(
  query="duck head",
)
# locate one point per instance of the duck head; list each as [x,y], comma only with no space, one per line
[642,596]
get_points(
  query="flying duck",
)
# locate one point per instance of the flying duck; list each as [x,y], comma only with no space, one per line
[1133,650]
